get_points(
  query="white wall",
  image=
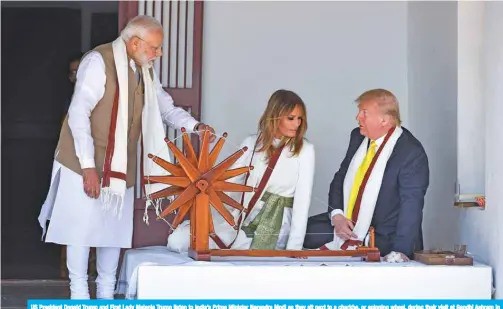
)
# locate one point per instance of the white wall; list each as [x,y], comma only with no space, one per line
[482,231]
[432,85]
[327,52]
[471,116]
[492,221]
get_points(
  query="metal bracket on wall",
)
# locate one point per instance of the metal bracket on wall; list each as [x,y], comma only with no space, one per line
[477,201]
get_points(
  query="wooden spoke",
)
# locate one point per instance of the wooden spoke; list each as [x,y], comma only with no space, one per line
[189,193]
[229,201]
[170,167]
[231,187]
[148,180]
[189,169]
[189,150]
[169,180]
[170,191]
[234,172]
[218,170]
[193,222]
[204,153]
[219,206]
[212,226]
[216,150]
[181,213]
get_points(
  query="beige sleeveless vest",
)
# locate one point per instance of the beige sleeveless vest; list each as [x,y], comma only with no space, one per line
[100,122]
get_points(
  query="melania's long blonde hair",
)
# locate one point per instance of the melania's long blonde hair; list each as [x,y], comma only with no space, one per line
[281,104]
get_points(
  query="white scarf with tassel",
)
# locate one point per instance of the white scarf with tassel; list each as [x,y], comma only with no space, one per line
[153,134]
[372,188]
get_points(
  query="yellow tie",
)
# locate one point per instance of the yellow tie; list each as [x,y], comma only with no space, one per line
[359,177]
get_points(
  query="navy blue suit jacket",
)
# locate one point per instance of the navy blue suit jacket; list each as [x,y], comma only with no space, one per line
[398,213]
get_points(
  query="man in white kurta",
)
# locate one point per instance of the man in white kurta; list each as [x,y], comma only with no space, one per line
[79,219]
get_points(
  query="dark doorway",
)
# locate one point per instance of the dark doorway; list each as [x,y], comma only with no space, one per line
[104,28]
[36,46]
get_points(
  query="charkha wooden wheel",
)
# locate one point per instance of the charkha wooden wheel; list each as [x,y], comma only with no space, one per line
[200,184]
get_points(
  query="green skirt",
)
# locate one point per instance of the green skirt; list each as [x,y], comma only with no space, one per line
[264,229]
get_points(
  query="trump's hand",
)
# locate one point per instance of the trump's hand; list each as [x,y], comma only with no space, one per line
[343,227]
[201,127]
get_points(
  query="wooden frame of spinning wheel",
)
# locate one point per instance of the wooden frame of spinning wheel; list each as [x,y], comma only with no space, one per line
[200,184]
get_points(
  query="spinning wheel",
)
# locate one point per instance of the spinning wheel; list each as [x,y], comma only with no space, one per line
[199,183]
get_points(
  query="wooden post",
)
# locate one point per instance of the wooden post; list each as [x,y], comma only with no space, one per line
[199,249]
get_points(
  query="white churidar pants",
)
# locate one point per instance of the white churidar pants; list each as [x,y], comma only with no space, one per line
[106,264]
[80,222]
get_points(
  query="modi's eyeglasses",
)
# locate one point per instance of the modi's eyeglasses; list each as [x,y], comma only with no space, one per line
[153,48]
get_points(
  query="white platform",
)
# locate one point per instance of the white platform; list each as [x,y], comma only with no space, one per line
[155,273]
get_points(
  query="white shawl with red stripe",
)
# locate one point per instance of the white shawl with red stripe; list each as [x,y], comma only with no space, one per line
[371,188]
[113,186]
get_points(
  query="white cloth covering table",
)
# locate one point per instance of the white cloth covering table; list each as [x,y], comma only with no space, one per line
[157,273]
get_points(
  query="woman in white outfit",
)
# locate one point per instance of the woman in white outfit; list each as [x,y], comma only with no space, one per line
[279,214]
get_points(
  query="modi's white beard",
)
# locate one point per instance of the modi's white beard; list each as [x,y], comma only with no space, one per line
[144,61]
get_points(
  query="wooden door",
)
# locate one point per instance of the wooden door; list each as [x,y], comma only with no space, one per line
[179,70]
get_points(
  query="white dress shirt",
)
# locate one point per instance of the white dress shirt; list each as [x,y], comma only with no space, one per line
[341,212]
[90,88]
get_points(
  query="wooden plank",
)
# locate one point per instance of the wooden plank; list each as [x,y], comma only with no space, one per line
[362,252]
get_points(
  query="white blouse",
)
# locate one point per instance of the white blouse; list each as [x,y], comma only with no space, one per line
[292,177]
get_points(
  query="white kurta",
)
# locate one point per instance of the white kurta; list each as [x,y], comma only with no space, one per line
[76,219]
[292,177]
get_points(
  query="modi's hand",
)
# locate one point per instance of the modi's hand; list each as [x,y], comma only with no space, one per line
[201,127]
[396,257]
[343,227]
[91,182]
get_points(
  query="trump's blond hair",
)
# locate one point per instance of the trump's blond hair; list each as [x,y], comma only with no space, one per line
[386,100]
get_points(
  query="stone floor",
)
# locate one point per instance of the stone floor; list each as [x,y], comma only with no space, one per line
[15,293]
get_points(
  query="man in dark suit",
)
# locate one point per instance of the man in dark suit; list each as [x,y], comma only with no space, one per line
[395,205]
